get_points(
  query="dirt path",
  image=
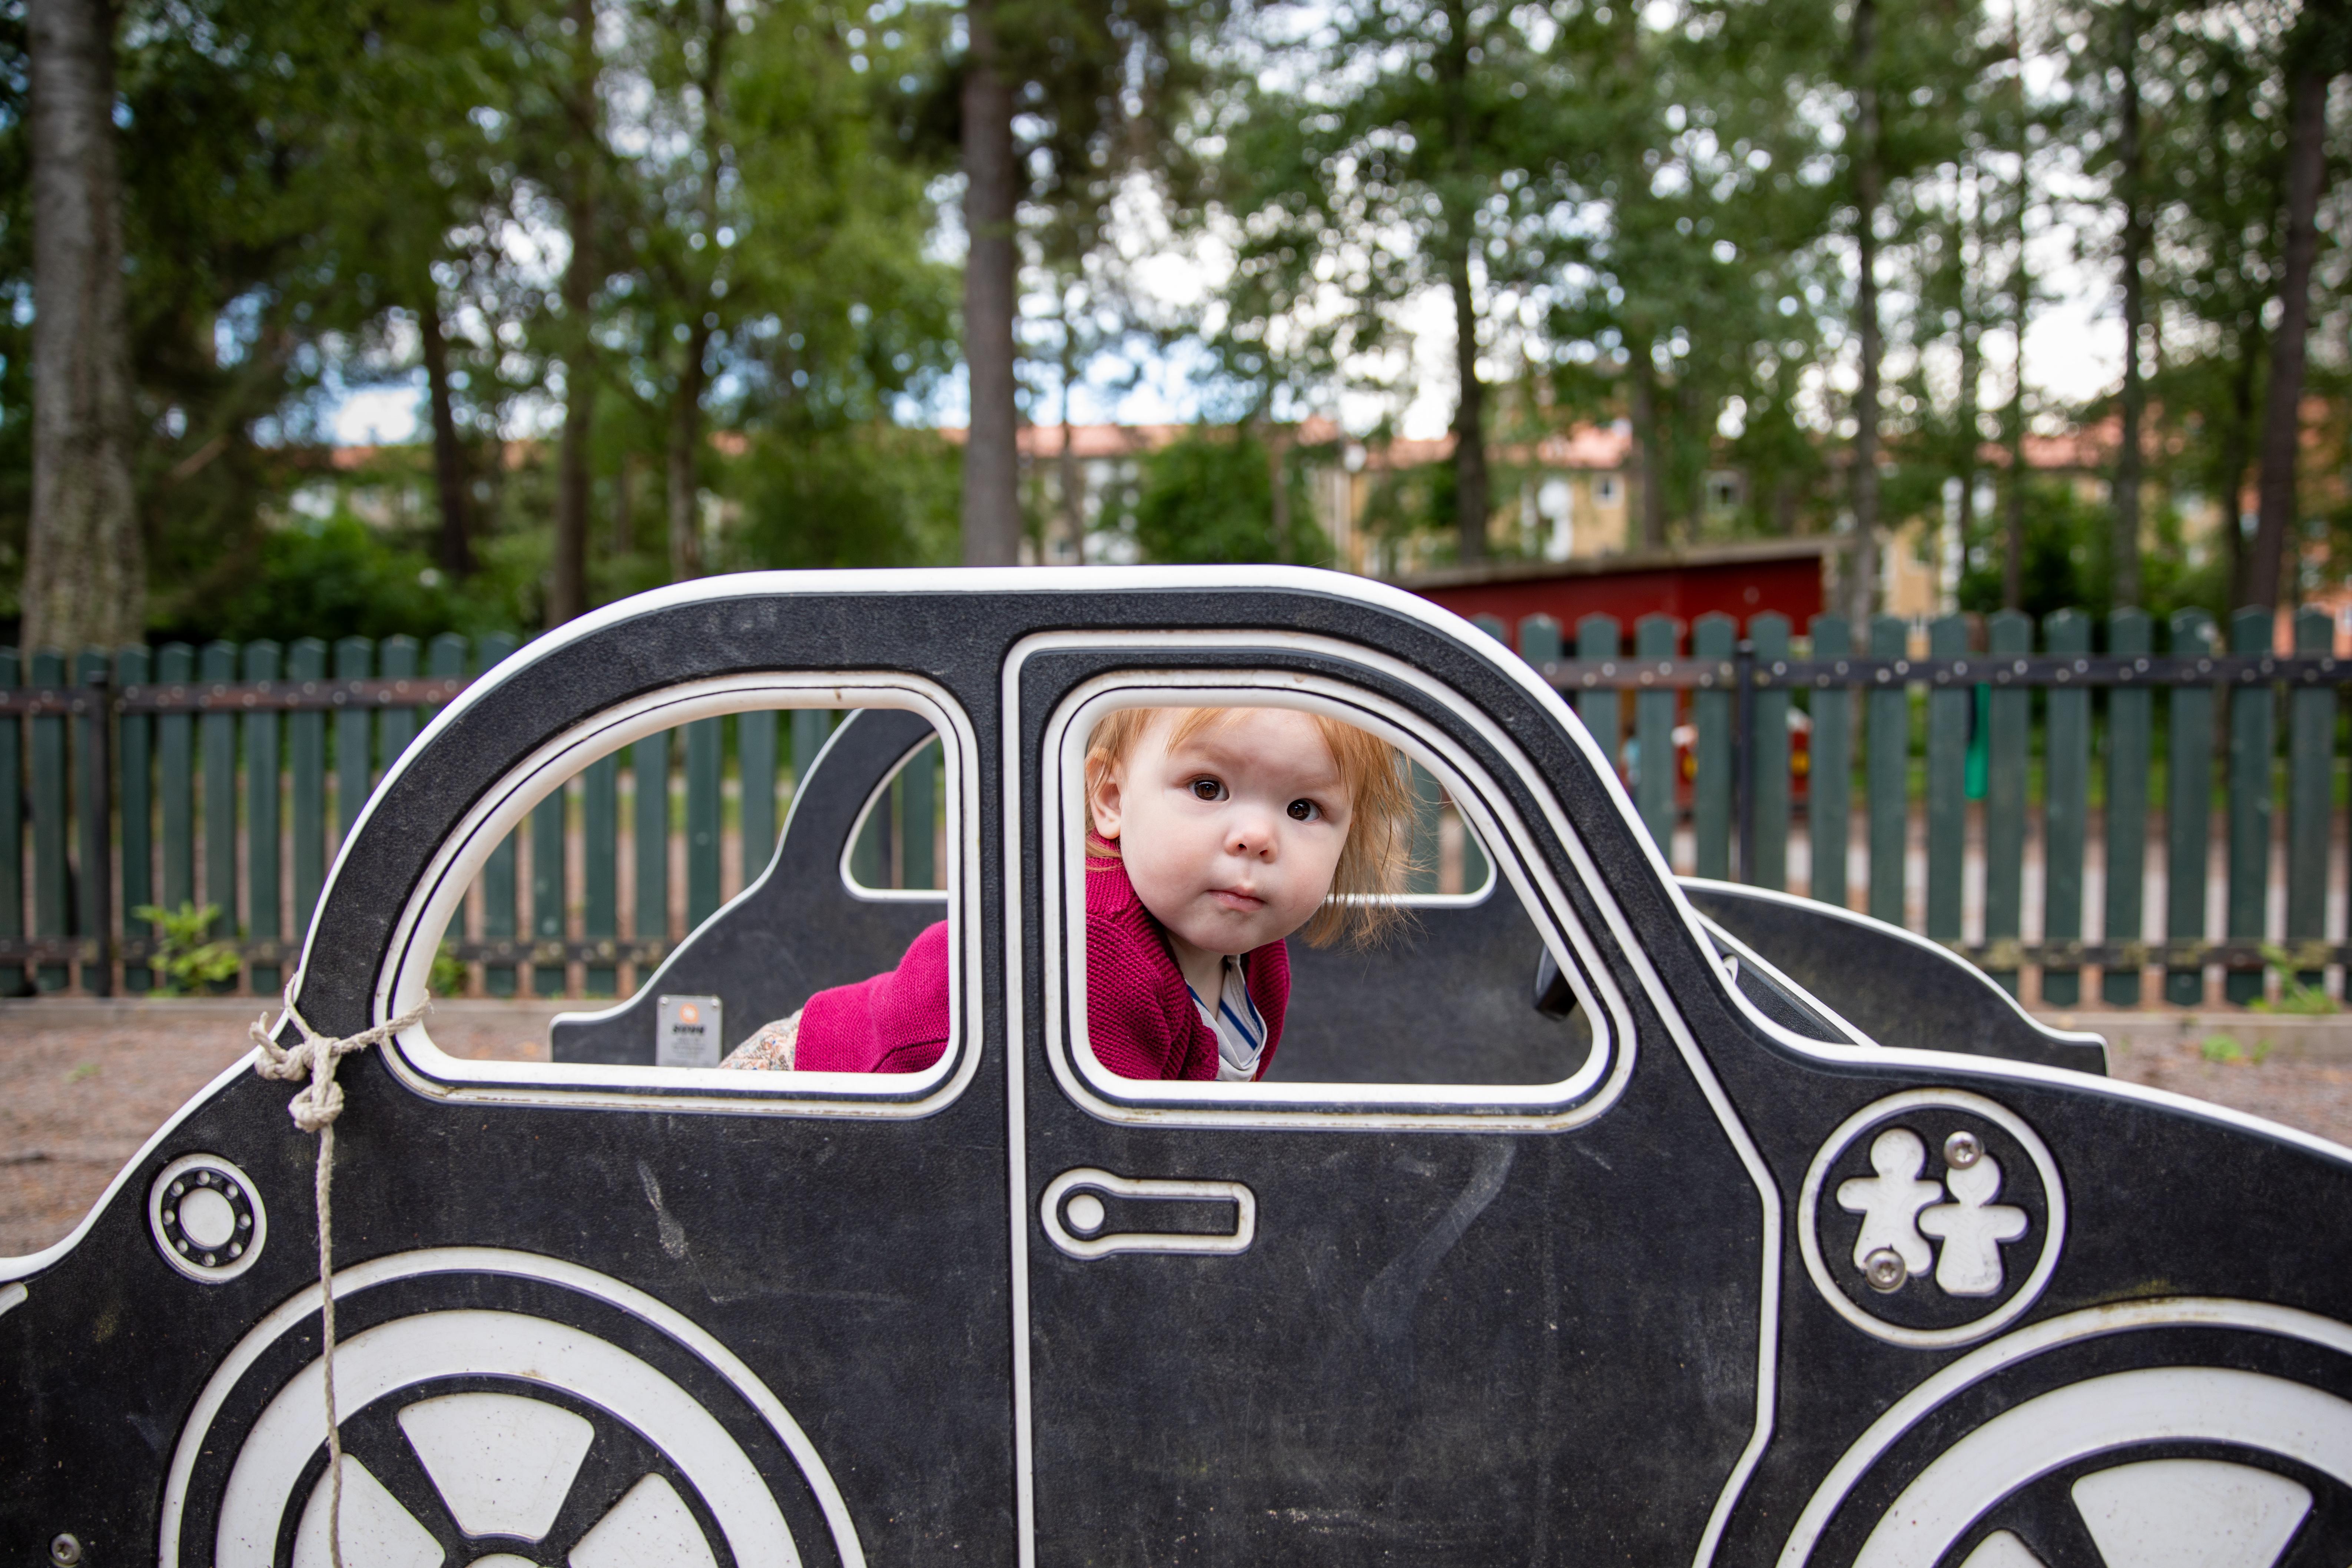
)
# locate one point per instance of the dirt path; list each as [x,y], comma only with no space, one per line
[83,1083]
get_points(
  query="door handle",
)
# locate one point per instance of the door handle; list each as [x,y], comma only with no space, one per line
[1074,1216]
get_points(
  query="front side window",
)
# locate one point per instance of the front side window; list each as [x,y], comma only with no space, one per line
[1280,896]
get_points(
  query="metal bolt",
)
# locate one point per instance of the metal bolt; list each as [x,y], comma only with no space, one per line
[1962,1150]
[65,1550]
[1885,1270]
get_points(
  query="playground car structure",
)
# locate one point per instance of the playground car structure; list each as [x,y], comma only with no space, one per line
[1598,1217]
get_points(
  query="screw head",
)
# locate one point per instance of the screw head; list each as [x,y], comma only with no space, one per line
[65,1550]
[1885,1270]
[1962,1150]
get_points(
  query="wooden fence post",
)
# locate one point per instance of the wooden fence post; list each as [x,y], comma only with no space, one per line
[649,840]
[2188,804]
[2008,749]
[1889,774]
[2253,740]
[755,766]
[1829,768]
[704,762]
[94,816]
[498,912]
[550,884]
[1712,637]
[52,886]
[355,738]
[1948,761]
[217,731]
[1768,826]
[12,979]
[306,747]
[918,820]
[1603,711]
[264,900]
[600,869]
[2310,781]
[2067,802]
[136,745]
[1656,636]
[2130,725]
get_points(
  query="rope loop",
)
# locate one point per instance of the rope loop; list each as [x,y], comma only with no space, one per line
[314,1109]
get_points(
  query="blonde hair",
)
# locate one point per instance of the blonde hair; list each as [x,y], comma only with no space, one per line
[1378,855]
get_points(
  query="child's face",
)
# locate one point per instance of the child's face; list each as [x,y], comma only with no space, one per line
[1232,835]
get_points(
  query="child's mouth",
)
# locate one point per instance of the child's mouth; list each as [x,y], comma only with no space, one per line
[1243,903]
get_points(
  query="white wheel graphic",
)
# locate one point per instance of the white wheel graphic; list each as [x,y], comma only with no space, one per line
[488,1422]
[500,1465]
[2138,1512]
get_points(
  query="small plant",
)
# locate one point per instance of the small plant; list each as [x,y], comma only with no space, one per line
[83,1073]
[187,961]
[2295,996]
[449,972]
[2220,1049]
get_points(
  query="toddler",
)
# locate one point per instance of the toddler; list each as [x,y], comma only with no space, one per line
[1213,833]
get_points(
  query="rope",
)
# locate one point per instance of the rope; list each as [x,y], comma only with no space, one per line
[314,1109]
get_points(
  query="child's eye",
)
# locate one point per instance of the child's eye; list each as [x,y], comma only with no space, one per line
[1304,811]
[1208,789]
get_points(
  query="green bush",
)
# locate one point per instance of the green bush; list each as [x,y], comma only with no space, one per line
[1210,497]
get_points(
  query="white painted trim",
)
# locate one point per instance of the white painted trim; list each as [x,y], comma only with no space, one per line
[1754,1013]
[876,796]
[1176,1243]
[2152,1404]
[1815,907]
[440,894]
[291,1314]
[2052,1333]
[2054,1236]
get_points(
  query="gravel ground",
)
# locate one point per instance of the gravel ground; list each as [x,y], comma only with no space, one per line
[83,1083]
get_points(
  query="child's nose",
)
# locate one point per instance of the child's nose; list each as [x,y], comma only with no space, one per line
[1253,835]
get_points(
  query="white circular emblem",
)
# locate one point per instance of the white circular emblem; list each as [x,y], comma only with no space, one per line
[1931,1218]
[206,1218]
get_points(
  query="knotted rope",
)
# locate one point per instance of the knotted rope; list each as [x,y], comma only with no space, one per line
[314,1109]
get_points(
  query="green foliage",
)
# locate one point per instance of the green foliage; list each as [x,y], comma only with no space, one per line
[871,495]
[187,962]
[2068,542]
[2296,997]
[1210,497]
[450,975]
[336,576]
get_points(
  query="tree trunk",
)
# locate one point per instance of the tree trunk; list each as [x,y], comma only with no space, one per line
[1470,504]
[1971,333]
[85,570]
[2236,453]
[567,595]
[2125,567]
[2306,169]
[1647,444]
[991,458]
[1868,180]
[685,449]
[457,541]
[2013,565]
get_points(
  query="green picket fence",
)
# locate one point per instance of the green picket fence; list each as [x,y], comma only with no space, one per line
[235,771]
[2084,725]
[227,775]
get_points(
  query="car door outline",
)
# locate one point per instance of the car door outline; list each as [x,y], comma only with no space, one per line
[1264,656]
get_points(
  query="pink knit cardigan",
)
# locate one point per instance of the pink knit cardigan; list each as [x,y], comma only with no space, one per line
[1140,1019]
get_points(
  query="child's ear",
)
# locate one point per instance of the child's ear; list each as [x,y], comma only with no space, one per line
[1103,803]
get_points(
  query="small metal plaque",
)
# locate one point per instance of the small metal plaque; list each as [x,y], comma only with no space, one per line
[687,1032]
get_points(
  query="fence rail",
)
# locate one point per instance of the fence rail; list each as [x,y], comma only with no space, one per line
[224,776]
